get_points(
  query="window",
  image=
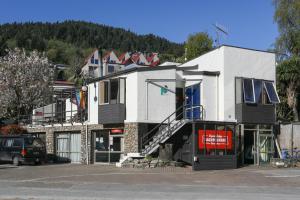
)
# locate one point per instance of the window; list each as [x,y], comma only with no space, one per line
[96,61]
[271,92]
[114,86]
[257,90]
[248,91]
[9,142]
[92,59]
[103,92]
[112,91]
[110,68]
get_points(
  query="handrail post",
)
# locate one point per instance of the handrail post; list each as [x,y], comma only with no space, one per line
[169,132]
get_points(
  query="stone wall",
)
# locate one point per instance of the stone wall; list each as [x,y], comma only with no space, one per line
[50,137]
[132,136]
[131,139]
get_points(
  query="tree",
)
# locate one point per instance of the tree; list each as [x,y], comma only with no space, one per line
[198,44]
[287,16]
[24,81]
[288,75]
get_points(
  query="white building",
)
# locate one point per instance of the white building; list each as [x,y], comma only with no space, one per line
[227,95]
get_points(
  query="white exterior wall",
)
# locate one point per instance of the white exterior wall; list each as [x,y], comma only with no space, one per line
[155,107]
[212,87]
[131,97]
[92,104]
[243,63]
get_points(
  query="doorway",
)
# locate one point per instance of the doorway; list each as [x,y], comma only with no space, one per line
[258,144]
[249,137]
[108,147]
[192,102]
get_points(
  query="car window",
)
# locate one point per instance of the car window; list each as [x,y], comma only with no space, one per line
[35,142]
[9,142]
[18,142]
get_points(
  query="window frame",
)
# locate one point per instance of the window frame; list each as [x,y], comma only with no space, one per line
[267,92]
[253,92]
[118,97]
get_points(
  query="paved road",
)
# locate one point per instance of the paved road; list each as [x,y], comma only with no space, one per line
[108,182]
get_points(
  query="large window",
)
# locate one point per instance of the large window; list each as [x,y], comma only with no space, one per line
[112,91]
[255,91]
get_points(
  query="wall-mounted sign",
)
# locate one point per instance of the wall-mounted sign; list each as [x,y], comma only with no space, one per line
[214,139]
[163,90]
[116,131]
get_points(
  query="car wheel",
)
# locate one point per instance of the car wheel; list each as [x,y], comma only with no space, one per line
[16,161]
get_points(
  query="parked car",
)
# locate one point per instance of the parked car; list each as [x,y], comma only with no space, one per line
[22,149]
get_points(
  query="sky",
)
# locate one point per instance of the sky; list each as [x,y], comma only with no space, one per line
[249,22]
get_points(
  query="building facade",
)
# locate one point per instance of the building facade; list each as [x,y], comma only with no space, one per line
[216,111]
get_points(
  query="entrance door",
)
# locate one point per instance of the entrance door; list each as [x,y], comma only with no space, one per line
[249,147]
[116,147]
[192,102]
[266,148]
[101,146]
[108,147]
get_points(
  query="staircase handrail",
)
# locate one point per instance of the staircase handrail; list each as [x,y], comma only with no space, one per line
[167,119]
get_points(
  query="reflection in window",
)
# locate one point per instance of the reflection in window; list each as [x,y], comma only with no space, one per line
[114,83]
[257,90]
[248,91]
[271,92]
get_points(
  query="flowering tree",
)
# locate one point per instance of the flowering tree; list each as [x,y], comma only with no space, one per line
[24,82]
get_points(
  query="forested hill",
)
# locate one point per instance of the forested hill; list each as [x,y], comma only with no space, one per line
[62,40]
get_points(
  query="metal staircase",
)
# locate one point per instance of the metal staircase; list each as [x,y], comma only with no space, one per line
[168,127]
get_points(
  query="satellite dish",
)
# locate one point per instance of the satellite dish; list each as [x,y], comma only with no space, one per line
[220,30]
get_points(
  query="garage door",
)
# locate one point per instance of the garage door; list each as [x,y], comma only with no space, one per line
[68,147]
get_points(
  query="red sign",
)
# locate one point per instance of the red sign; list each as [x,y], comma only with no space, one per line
[215,139]
[120,131]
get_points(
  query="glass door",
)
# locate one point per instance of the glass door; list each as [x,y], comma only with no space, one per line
[192,102]
[116,147]
[101,146]
[266,148]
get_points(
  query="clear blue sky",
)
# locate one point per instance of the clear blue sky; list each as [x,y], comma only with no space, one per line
[249,22]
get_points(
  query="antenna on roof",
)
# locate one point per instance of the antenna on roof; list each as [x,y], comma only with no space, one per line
[220,30]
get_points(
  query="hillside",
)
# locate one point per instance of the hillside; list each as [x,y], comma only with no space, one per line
[69,41]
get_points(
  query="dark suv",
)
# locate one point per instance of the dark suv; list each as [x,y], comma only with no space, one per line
[22,149]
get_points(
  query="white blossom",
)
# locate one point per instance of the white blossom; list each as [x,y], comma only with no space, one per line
[24,82]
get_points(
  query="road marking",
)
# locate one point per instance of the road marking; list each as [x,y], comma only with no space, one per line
[283,176]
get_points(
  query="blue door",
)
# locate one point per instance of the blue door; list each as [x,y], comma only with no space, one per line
[192,102]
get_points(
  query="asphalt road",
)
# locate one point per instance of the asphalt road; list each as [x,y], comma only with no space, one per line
[108,182]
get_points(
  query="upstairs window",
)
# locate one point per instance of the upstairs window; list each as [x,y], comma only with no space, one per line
[110,68]
[103,92]
[248,91]
[255,91]
[92,59]
[271,92]
[112,91]
[258,88]
[96,61]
